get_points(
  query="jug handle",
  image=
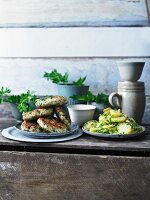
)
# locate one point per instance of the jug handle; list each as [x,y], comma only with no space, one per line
[117,103]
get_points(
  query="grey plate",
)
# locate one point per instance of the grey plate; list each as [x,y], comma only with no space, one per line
[106,135]
[74,127]
[14,134]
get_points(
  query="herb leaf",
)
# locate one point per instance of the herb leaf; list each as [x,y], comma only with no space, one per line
[57,77]
[3,92]
[101,98]
[23,100]
[80,81]
[13,99]
[90,97]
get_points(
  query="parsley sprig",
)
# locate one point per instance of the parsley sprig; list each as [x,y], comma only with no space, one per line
[59,78]
[3,92]
[90,97]
[24,104]
[23,100]
[80,81]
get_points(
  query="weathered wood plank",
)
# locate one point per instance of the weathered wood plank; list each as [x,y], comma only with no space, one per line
[85,143]
[35,13]
[75,42]
[63,176]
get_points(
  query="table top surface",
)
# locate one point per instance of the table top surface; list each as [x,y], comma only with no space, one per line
[85,143]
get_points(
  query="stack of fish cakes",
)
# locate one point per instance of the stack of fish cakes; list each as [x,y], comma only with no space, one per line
[42,119]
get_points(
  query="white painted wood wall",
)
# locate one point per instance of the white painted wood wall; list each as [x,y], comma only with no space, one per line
[35,13]
[75,42]
[70,31]
[87,36]
[78,33]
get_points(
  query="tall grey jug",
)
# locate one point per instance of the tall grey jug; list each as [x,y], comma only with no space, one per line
[130,98]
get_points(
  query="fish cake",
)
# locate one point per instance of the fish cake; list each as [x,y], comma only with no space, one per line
[51,125]
[31,127]
[62,116]
[37,113]
[51,101]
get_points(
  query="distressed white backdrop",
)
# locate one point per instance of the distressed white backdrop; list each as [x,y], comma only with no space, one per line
[102,75]
[25,53]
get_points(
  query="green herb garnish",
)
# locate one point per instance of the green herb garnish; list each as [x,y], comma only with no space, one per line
[3,92]
[59,78]
[80,81]
[23,100]
[101,98]
[90,97]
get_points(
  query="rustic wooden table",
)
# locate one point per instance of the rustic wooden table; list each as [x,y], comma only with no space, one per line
[87,168]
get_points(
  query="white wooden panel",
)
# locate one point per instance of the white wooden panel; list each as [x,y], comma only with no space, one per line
[75,42]
[22,74]
[102,75]
[148,8]
[72,12]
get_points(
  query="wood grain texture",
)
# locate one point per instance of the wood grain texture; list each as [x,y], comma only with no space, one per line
[83,144]
[75,42]
[45,13]
[63,177]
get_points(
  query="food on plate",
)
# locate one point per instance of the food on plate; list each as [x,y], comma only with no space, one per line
[51,125]
[35,114]
[31,127]
[51,101]
[112,122]
[62,116]
[49,116]
[90,124]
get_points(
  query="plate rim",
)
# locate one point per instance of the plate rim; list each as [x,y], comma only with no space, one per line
[6,133]
[106,135]
[43,135]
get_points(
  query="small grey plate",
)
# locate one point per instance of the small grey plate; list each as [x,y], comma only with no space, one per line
[41,135]
[111,135]
[14,134]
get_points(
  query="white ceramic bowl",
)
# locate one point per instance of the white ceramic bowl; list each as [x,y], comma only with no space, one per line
[81,113]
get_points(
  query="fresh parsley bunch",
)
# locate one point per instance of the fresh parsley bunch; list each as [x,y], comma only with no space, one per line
[59,78]
[80,81]
[23,100]
[90,97]
[3,92]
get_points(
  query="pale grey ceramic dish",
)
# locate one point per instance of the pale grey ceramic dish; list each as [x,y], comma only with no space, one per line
[130,71]
[13,133]
[116,136]
[74,127]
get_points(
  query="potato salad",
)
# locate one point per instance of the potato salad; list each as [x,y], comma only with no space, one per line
[112,122]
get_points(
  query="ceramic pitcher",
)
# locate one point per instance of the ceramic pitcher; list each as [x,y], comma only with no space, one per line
[130,98]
